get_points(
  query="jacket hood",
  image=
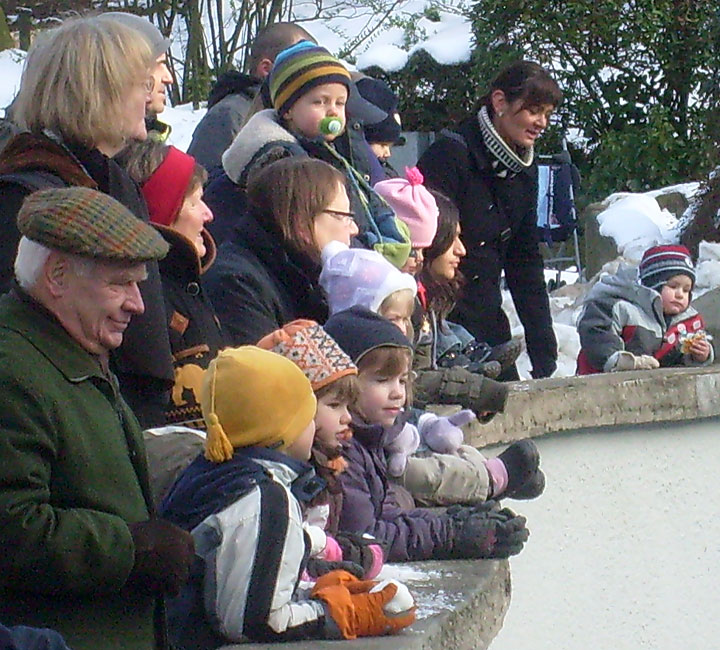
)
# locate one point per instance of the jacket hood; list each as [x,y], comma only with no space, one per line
[624,285]
[206,488]
[233,82]
[262,128]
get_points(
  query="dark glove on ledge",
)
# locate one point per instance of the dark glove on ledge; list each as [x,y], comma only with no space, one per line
[489,534]
[163,555]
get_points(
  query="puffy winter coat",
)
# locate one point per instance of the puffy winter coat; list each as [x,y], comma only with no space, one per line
[621,314]
[257,285]
[73,476]
[143,362]
[369,505]
[498,218]
[245,516]
[194,329]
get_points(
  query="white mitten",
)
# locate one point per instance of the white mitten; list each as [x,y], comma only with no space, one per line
[403,445]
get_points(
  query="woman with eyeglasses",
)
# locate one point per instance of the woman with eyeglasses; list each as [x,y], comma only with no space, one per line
[81,100]
[487,169]
[267,271]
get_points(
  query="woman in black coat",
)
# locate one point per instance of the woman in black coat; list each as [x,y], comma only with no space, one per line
[267,271]
[487,169]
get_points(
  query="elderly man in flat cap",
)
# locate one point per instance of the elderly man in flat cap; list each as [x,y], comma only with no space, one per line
[81,553]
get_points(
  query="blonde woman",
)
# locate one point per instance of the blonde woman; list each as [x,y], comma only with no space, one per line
[82,98]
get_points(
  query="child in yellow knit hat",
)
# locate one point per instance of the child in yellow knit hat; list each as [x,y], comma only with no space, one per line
[242,502]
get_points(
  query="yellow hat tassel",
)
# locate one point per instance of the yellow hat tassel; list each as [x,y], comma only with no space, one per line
[217,446]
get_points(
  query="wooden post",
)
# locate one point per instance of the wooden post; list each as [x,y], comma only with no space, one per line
[24,25]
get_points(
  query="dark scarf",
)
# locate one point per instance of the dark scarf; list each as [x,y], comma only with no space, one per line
[505,161]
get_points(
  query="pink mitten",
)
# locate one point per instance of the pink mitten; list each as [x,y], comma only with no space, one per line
[443,434]
[398,449]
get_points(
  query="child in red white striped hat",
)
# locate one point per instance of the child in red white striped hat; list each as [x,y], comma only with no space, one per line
[642,319]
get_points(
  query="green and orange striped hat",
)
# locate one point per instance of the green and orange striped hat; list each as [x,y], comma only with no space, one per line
[88,223]
[299,68]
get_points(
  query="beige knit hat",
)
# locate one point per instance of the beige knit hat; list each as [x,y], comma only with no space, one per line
[312,349]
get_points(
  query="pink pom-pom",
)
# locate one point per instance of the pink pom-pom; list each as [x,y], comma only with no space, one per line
[414,176]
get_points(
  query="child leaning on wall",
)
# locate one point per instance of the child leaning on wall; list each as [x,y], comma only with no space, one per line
[443,471]
[383,356]
[242,502]
[333,377]
[640,319]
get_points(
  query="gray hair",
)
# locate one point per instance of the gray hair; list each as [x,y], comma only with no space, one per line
[31,258]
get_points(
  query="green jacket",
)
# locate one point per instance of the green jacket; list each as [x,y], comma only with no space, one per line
[72,473]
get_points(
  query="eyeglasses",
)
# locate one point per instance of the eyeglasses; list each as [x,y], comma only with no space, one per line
[346,217]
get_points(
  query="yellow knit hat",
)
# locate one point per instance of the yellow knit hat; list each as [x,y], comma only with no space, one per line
[254,397]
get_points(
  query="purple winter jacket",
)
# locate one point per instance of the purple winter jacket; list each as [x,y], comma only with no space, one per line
[369,505]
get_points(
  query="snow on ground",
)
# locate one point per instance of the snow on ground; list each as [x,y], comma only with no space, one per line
[11,62]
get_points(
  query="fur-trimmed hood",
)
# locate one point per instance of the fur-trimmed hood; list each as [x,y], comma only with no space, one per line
[251,143]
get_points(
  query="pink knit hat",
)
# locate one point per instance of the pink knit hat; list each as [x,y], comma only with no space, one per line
[413,204]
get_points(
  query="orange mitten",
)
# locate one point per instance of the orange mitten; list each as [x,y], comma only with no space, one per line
[344,578]
[361,614]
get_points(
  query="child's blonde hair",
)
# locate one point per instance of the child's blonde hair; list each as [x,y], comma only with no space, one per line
[402,300]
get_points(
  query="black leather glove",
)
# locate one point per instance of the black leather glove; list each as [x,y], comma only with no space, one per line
[317,567]
[478,351]
[490,534]
[364,550]
[163,555]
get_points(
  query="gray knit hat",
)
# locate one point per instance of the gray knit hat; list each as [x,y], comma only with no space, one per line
[88,223]
[157,42]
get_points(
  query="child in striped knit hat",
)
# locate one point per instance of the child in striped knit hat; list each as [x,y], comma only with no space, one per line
[309,90]
[641,319]
[333,377]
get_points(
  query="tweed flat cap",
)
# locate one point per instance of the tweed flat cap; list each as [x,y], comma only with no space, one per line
[88,223]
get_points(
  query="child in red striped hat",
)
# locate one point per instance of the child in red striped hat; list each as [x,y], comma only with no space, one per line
[642,319]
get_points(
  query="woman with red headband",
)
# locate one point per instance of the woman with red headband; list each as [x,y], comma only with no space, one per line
[172,184]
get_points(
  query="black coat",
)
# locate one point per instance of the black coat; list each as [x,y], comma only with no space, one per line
[193,327]
[143,362]
[498,220]
[257,285]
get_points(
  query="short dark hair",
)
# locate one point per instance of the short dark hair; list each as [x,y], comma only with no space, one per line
[524,80]
[273,39]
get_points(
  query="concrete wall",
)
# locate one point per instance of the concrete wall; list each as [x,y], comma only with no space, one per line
[535,408]
[624,550]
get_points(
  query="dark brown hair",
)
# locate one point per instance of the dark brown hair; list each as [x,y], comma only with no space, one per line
[442,294]
[525,80]
[288,194]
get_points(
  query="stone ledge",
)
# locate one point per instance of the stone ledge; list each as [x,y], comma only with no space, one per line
[542,406]
[461,606]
